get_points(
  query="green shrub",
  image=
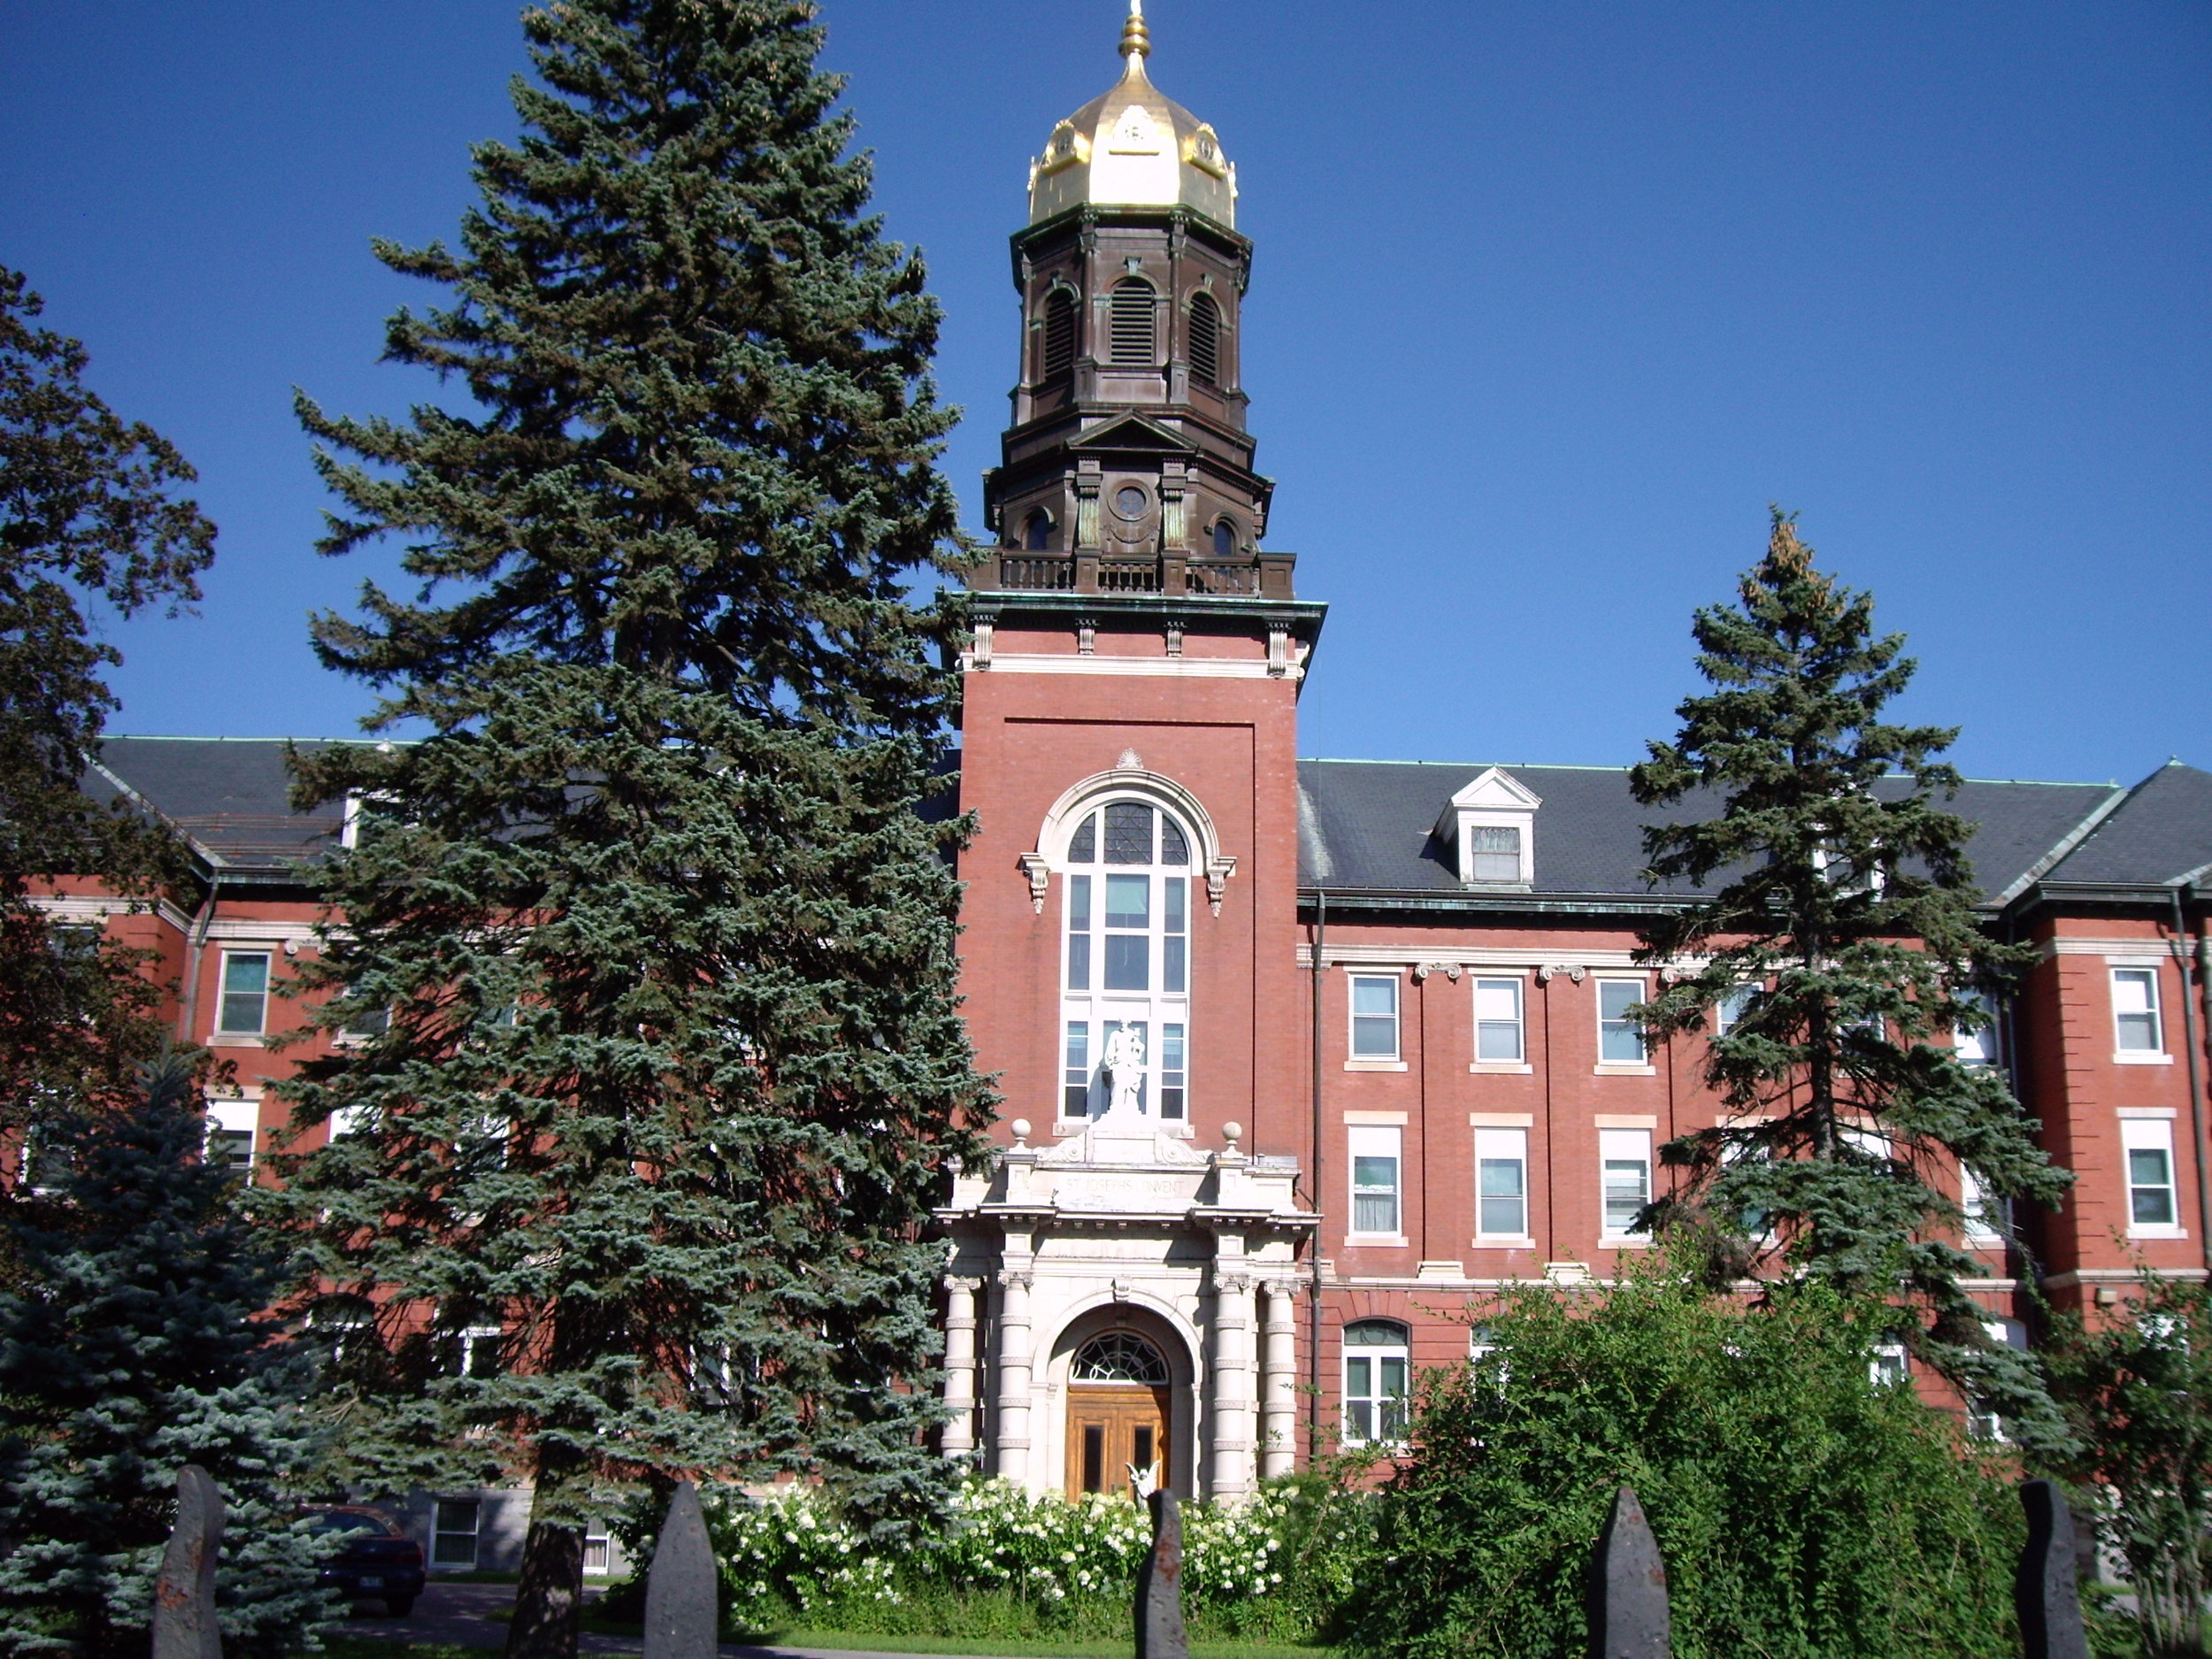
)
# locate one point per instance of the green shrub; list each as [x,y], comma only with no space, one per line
[1014,1564]
[1803,1509]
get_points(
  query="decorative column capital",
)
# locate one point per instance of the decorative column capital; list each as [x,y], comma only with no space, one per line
[1574,971]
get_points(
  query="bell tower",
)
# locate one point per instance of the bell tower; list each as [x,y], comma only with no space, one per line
[1127,464]
[1129,948]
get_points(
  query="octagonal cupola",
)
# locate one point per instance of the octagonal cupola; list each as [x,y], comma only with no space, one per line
[1134,146]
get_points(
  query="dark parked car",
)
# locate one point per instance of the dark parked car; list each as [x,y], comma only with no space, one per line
[375,1560]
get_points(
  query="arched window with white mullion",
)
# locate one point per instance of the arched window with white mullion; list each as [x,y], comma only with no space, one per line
[1125,964]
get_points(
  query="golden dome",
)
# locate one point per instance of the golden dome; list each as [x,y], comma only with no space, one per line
[1132,147]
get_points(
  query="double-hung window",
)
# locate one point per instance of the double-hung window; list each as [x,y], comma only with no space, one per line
[1626,1156]
[1501,1183]
[1498,1022]
[1620,1039]
[1374,1017]
[1494,852]
[2135,1020]
[231,1124]
[453,1532]
[1375,1164]
[1974,1042]
[244,1008]
[1982,1211]
[1377,1377]
[1734,1003]
[2149,1145]
[1125,998]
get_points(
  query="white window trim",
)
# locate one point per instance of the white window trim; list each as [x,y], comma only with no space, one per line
[1401,1350]
[1522,1239]
[1520,982]
[1619,1068]
[1607,1233]
[1978,1234]
[1395,1060]
[218,1037]
[237,1114]
[2135,1136]
[1493,799]
[2158,1053]
[1372,1136]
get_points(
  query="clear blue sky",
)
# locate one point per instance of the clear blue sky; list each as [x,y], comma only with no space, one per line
[1550,301]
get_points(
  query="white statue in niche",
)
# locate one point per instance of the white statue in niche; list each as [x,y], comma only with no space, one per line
[1125,1072]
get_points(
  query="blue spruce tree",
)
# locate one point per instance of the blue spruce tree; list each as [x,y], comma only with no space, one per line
[134,1341]
[638,1169]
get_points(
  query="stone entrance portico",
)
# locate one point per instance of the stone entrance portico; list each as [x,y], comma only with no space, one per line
[1124,1227]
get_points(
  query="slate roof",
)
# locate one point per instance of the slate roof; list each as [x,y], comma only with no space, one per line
[228,795]
[1366,826]
[2161,833]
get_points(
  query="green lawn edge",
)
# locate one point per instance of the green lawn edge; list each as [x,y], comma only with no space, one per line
[865,1641]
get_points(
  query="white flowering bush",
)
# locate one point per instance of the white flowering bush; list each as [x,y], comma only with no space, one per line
[1008,1562]
[789,1545]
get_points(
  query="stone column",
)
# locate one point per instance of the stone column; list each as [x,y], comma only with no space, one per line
[1013,1369]
[1279,1381]
[959,1436]
[1232,1380]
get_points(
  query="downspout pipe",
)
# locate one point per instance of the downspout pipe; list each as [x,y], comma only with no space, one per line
[1320,1206]
[194,947]
[2196,961]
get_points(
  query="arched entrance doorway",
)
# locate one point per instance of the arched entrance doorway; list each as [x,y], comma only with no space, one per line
[1118,1395]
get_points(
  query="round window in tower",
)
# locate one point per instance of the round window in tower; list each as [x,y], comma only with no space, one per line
[1129,502]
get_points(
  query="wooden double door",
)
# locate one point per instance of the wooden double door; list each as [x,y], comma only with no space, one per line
[1111,1425]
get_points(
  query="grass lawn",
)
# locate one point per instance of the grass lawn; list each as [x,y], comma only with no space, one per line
[865,1641]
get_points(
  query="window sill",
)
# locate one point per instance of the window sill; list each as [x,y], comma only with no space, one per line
[1501,1068]
[1180,1127]
[1501,1243]
[1625,1242]
[1374,1065]
[2133,1058]
[1376,1242]
[238,1040]
[1623,1068]
[2158,1232]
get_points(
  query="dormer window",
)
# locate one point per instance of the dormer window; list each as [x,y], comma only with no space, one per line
[1494,853]
[1490,827]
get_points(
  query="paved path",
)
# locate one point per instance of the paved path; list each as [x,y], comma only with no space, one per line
[464,1616]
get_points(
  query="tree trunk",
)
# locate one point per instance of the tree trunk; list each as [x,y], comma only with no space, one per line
[549,1600]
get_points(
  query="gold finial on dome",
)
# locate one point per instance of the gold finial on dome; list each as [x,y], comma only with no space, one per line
[1136,40]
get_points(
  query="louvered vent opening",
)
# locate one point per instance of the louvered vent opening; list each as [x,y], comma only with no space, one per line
[1129,323]
[1205,340]
[1059,333]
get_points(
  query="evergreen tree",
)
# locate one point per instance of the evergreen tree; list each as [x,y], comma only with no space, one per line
[88,518]
[1844,938]
[660,950]
[135,1345]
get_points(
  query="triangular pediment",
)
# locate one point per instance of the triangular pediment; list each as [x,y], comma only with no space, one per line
[1496,789]
[1126,433]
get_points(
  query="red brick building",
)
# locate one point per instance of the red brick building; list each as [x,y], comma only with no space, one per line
[1296,1056]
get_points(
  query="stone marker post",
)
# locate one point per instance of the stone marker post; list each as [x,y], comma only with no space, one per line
[184,1596]
[680,1614]
[2047,1591]
[1160,1585]
[1627,1587]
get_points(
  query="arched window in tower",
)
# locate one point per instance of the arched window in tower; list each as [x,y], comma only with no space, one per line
[1059,341]
[1037,531]
[1126,966]
[1129,324]
[1225,539]
[1205,339]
